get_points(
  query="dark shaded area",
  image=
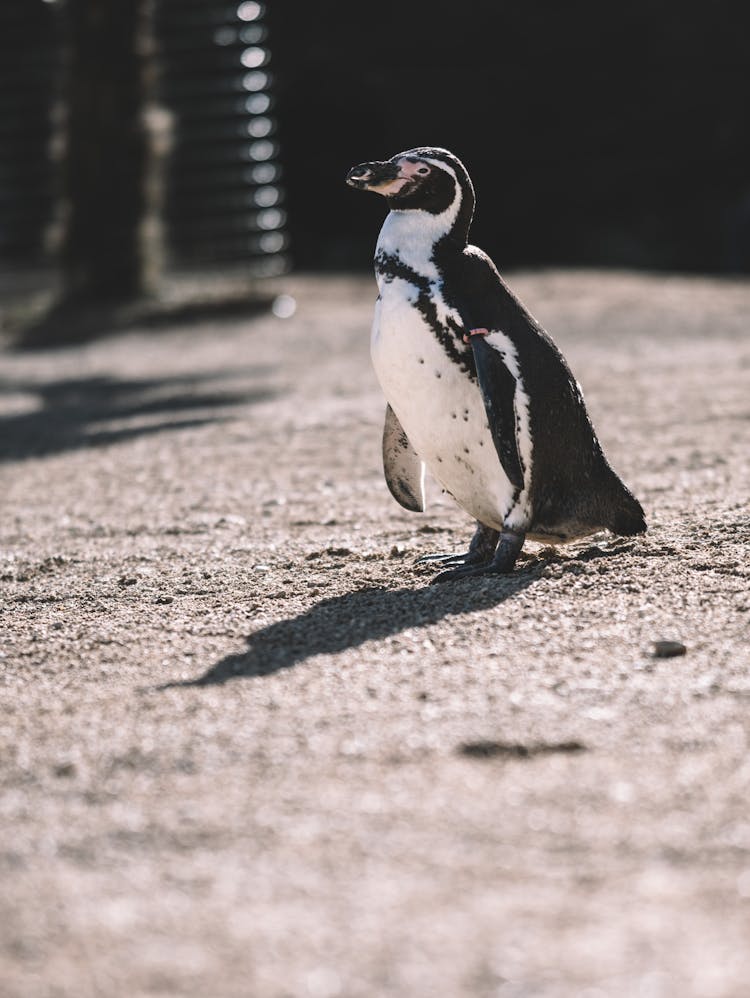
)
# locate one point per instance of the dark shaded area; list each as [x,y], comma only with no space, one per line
[29,69]
[72,409]
[515,750]
[67,325]
[594,134]
[342,622]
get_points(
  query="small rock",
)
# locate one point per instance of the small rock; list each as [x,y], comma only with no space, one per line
[398,551]
[669,649]
[231,520]
[164,600]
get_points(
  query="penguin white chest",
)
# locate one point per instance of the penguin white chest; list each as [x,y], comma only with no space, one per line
[439,407]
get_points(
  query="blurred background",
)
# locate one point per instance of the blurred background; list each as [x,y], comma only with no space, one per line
[157,137]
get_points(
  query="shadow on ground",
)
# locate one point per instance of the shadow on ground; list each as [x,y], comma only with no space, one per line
[73,412]
[69,324]
[341,622]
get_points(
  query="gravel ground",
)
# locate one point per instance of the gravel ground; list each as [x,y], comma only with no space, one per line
[246,750]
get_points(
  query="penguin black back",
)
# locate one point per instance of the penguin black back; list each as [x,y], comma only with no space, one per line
[568,496]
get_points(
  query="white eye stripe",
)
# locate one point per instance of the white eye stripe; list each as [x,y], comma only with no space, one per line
[442,166]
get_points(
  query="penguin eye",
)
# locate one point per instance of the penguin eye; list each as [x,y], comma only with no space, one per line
[422,170]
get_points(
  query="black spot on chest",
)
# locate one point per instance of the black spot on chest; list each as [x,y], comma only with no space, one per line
[449,334]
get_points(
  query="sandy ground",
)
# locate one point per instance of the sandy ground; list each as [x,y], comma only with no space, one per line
[247,750]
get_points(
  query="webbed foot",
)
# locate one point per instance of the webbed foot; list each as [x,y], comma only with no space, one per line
[480,552]
[502,563]
[467,558]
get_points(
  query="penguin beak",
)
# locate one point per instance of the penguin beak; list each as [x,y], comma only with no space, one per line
[382,178]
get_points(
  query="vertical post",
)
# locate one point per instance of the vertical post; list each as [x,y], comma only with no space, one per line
[111,192]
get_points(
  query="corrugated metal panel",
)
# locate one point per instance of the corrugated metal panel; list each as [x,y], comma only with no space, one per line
[225,199]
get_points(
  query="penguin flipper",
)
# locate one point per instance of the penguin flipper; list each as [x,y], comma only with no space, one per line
[403,467]
[498,387]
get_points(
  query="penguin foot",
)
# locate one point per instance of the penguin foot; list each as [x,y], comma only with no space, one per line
[502,563]
[463,573]
[467,558]
[480,552]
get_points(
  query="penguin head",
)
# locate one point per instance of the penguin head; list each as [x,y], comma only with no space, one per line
[421,179]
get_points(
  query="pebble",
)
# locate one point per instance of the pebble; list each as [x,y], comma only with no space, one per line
[669,649]
[64,769]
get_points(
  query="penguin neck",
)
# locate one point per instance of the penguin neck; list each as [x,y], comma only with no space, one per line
[420,240]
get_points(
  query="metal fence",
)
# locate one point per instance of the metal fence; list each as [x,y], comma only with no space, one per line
[224,195]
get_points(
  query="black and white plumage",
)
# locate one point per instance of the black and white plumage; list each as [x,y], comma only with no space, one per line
[476,389]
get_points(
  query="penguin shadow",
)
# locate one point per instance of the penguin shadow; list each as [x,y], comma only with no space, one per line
[348,621]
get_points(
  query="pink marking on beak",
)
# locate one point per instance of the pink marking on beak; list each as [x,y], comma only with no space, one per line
[390,186]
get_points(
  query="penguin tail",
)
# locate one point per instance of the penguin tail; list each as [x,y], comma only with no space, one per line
[628,518]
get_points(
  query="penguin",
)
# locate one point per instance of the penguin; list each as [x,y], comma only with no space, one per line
[476,390]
